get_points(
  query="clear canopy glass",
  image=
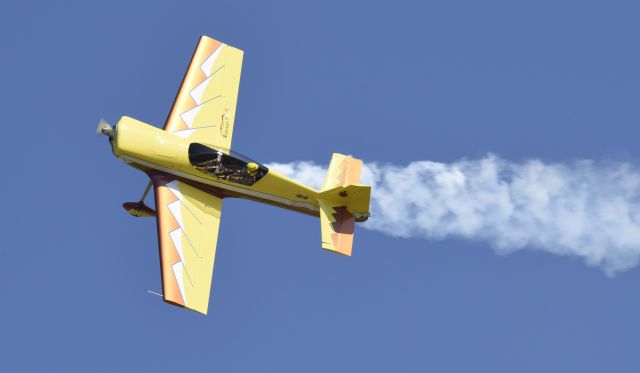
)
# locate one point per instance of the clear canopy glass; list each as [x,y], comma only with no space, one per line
[226,165]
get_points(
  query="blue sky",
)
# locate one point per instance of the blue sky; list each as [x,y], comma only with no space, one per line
[386,81]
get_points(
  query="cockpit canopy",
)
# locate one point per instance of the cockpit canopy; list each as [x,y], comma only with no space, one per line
[225,165]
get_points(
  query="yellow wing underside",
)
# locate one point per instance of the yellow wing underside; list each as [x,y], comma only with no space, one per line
[188,221]
[205,107]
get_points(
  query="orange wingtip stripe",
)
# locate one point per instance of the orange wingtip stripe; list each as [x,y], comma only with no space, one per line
[343,242]
[354,170]
[168,253]
[342,174]
[346,251]
[349,172]
[192,78]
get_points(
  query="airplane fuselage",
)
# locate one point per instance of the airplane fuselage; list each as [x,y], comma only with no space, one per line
[154,151]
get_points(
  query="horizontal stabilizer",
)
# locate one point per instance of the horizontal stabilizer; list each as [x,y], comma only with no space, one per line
[354,197]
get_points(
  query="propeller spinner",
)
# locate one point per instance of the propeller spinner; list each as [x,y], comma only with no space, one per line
[104,128]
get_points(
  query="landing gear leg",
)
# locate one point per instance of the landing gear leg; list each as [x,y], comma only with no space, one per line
[146,191]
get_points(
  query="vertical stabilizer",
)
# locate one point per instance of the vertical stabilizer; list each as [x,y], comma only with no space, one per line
[343,170]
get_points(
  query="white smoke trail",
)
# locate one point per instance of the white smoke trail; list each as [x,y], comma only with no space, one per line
[586,209]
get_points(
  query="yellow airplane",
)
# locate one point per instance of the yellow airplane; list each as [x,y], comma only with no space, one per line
[192,169]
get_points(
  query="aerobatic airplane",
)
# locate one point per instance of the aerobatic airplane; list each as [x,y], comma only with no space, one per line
[192,169]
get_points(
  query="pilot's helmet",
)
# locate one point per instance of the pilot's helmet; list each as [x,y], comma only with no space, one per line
[252,168]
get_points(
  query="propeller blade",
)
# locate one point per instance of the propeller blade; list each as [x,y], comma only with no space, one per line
[104,128]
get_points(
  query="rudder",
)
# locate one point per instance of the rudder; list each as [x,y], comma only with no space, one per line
[337,225]
[343,202]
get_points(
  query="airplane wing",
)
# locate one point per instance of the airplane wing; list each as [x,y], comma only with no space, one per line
[188,220]
[204,109]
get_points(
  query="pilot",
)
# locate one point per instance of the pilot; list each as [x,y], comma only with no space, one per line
[252,169]
[245,175]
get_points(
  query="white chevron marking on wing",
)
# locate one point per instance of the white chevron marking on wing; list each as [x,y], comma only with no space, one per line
[174,187]
[184,133]
[176,237]
[174,207]
[190,115]
[199,90]
[208,63]
[177,272]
